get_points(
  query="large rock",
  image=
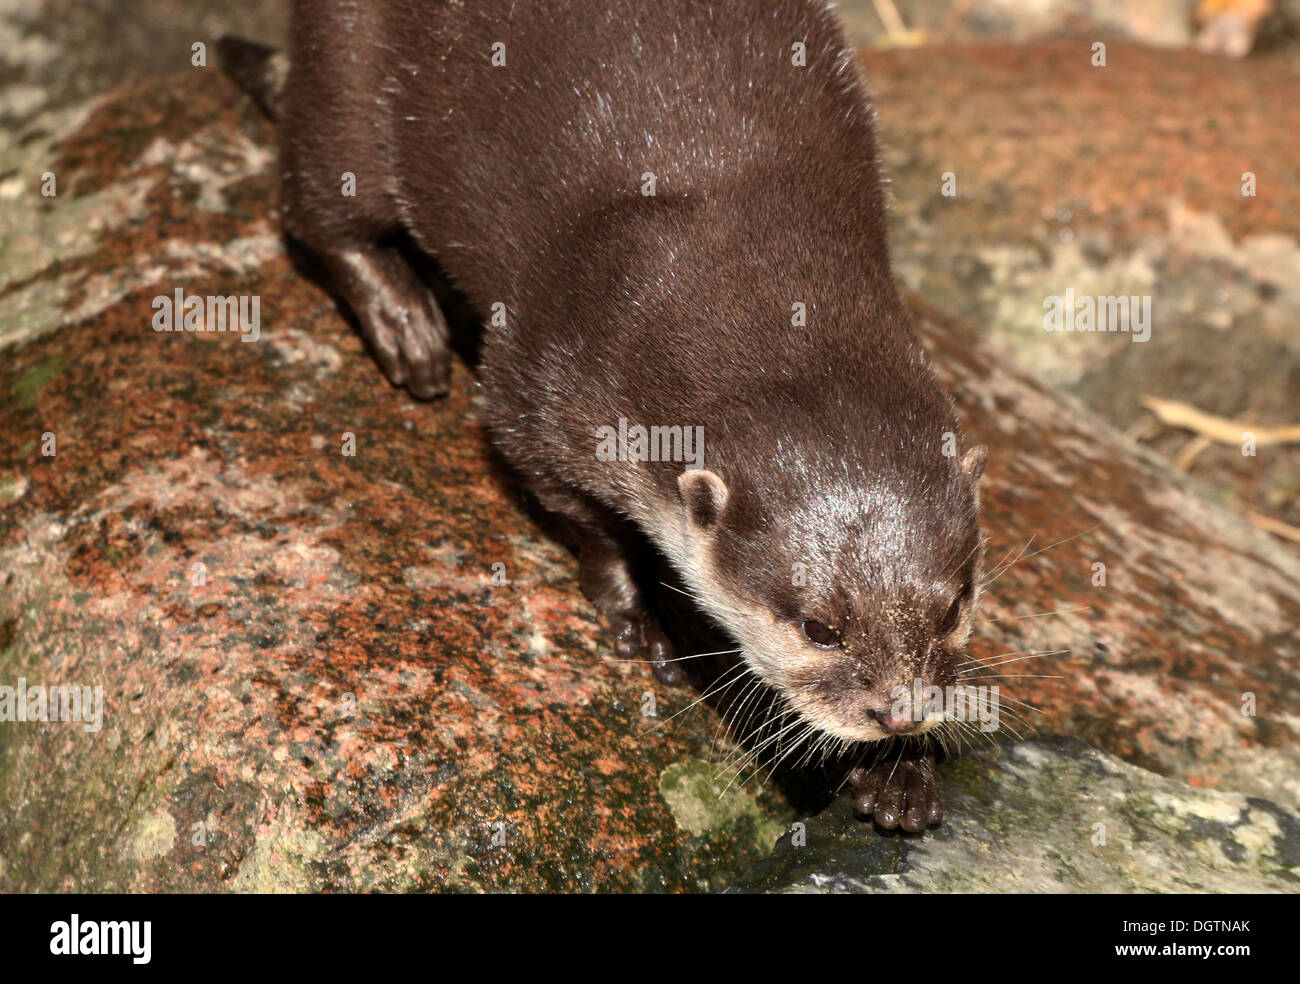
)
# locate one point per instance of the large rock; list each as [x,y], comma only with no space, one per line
[340,695]
[347,701]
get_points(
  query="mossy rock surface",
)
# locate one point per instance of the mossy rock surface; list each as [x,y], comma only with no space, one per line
[1050,815]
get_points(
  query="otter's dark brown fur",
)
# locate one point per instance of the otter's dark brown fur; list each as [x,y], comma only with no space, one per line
[675,212]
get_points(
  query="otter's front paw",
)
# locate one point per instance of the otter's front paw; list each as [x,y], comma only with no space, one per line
[898,793]
[637,637]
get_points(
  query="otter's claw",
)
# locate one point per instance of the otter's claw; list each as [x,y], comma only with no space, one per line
[637,637]
[898,793]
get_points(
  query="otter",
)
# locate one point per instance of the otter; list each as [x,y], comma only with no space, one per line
[674,212]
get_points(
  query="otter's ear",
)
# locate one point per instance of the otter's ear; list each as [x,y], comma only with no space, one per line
[704,495]
[974,460]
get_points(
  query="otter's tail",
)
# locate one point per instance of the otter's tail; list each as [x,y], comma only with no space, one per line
[258,70]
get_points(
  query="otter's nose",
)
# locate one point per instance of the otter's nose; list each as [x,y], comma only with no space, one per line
[894,722]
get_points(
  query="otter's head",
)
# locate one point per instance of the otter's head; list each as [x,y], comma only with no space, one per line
[850,587]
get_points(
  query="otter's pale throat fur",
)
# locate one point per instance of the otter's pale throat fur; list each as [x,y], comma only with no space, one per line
[675,211]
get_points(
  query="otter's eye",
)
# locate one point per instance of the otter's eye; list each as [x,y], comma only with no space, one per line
[950,620]
[820,635]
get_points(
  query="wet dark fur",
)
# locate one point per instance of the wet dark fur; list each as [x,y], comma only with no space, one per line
[524,181]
